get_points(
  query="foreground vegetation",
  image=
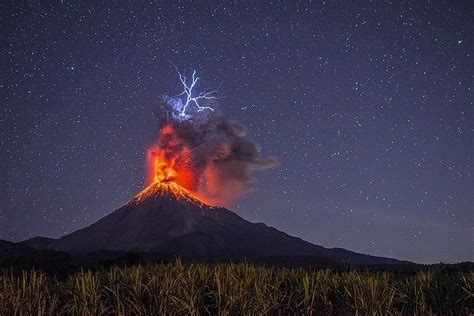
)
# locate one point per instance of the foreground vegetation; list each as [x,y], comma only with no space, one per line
[230,289]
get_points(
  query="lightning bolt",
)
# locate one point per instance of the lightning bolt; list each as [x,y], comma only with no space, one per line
[188,92]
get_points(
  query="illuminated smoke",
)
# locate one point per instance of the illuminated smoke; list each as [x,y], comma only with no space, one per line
[203,151]
[213,159]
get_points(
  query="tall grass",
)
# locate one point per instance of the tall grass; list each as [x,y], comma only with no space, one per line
[84,294]
[229,289]
[27,294]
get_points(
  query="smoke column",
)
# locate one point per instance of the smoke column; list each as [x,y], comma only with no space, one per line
[202,150]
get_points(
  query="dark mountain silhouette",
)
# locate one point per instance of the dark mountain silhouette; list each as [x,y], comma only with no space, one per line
[165,219]
[22,257]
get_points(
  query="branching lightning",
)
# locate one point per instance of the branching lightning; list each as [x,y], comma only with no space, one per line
[180,105]
[188,91]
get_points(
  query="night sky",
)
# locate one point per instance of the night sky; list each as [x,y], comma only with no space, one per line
[368,108]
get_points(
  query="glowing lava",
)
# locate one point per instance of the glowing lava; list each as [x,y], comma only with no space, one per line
[163,189]
[170,167]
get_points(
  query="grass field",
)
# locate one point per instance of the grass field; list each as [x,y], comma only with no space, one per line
[235,289]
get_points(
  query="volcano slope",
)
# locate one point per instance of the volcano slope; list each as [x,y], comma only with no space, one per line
[166,219]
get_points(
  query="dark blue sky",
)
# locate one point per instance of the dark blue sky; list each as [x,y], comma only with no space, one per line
[368,107]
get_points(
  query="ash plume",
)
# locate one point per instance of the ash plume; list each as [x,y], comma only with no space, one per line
[211,154]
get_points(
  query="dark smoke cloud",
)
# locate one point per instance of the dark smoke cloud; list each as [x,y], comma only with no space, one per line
[223,158]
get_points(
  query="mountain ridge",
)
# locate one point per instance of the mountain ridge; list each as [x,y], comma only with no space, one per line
[166,219]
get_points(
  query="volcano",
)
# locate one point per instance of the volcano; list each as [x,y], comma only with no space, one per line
[166,219]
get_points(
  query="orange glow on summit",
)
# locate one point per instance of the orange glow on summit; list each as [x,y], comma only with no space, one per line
[170,165]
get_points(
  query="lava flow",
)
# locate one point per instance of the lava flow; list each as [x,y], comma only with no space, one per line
[171,168]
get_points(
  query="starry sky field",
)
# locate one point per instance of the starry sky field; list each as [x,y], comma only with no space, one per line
[368,108]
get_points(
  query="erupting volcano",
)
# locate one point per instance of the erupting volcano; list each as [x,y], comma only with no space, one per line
[200,162]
